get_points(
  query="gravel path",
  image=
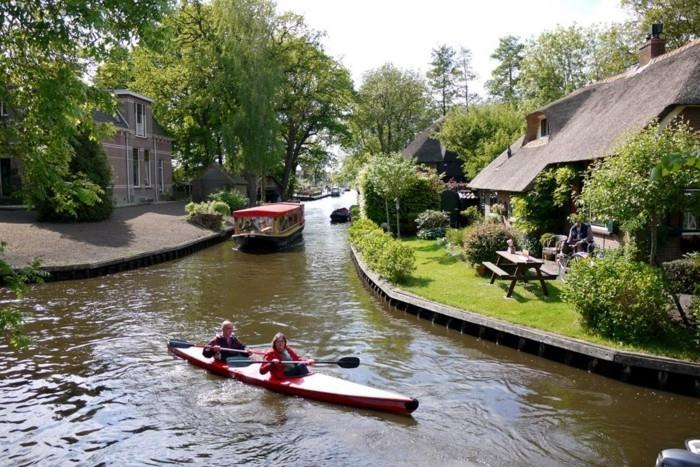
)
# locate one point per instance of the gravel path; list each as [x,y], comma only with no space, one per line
[130,231]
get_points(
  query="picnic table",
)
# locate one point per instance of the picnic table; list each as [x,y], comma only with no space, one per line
[519,264]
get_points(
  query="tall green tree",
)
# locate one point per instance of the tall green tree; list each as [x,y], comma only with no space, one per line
[443,77]
[47,48]
[555,64]
[681,18]
[466,74]
[316,97]
[612,49]
[179,71]
[503,84]
[391,107]
[390,175]
[91,162]
[249,85]
[480,134]
[621,188]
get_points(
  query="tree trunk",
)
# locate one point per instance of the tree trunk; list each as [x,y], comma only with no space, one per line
[388,222]
[398,225]
[252,189]
[289,165]
[652,248]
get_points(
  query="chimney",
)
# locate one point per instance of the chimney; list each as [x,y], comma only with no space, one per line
[654,46]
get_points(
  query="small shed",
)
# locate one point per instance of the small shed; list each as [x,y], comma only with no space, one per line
[214,178]
[273,189]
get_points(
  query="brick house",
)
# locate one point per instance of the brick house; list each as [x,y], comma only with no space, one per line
[586,125]
[139,154]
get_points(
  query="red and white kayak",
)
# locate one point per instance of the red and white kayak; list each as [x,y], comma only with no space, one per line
[315,386]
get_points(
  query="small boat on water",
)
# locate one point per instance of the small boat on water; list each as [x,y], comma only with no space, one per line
[340,215]
[269,226]
[314,386]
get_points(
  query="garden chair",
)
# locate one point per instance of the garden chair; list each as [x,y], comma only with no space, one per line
[553,247]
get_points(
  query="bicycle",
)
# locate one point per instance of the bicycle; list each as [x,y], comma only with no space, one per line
[563,259]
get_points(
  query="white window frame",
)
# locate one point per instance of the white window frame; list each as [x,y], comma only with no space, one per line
[136,176]
[540,133]
[690,221]
[3,111]
[140,126]
[162,180]
[147,168]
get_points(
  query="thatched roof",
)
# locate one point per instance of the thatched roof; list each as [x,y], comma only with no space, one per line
[427,149]
[589,122]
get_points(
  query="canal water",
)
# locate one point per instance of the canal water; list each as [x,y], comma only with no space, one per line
[97,386]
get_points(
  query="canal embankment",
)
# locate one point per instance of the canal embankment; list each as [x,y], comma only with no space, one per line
[134,236]
[657,372]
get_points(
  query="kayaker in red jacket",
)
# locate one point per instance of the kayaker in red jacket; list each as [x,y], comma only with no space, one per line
[224,340]
[280,352]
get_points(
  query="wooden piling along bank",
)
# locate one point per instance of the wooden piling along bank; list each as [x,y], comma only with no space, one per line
[85,271]
[663,373]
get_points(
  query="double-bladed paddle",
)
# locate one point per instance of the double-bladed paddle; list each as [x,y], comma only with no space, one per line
[344,362]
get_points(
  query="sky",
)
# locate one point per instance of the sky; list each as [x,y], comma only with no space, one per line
[365,34]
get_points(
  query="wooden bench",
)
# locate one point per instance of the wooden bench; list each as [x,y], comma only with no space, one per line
[496,271]
[549,272]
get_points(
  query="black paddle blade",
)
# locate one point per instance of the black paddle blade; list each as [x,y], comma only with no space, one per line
[348,362]
[180,343]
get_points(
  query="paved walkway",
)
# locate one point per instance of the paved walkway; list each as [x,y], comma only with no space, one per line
[130,231]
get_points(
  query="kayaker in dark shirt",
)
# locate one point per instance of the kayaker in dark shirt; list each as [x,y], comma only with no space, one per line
[280,352]
[224,340]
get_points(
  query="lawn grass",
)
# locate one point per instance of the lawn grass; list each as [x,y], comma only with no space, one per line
[445,279]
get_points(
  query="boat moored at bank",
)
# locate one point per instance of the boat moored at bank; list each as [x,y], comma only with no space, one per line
[269,226]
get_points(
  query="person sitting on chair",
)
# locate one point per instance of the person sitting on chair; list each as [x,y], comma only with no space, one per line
[580,237]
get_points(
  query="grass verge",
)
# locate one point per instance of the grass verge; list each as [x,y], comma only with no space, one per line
[445,279]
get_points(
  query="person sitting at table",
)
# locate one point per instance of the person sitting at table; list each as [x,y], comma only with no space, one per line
[281,352]
[580,237]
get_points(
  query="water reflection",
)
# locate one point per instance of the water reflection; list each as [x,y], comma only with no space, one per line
[98,386]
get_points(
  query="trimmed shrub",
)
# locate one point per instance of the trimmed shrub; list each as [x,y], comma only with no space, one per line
[354,212]
[472,215]
[694,312]
[431,224]
[220,207]
[233,198]
[455,236]
[431,234]
[431,219]
[682,275]
[482,241]
[383,254]
[208,215]
[618,298]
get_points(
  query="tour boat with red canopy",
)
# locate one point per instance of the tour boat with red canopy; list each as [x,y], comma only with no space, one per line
[269,226]
[314,385]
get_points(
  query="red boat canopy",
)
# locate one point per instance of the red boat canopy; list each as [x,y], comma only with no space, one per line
[268,210]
